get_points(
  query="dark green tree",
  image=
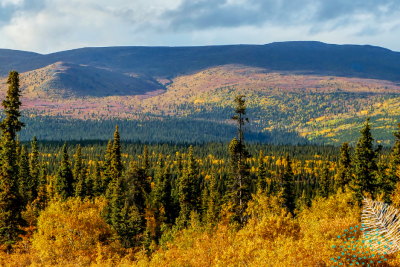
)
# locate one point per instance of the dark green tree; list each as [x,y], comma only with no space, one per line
[189,191]
[107,176]
[11,201]
[261,173]
[78,166]
[26,185]
[145,163]
[97,184]
[214,201]
[64,179]
[365,165]
[238,193]
[393,173]
[344,174]
[34,167]
[324,182]
[42,197]
[288,185]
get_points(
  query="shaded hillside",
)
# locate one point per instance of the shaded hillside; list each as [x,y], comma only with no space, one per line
[315,57]
[64,80]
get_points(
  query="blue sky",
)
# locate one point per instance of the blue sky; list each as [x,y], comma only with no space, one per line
[47,26]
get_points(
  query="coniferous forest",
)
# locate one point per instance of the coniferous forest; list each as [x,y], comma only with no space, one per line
[237,203]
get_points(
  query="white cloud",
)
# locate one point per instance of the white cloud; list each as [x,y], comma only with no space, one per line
[48,26]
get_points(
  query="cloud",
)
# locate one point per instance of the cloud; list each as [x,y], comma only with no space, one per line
[53,25]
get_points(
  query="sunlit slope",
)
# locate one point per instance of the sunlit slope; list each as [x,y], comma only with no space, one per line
[324,109]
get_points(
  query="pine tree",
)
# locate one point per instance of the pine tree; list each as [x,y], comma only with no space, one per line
[344,174]
[238,193]
[261,173]
[64,179]
[11,201]
[365,165]
[288,185]
[34,167]
[139,188]
[324,182]
[26,185]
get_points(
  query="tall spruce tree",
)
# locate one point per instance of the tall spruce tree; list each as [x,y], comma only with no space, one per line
[238,193]
[393,173]
[26,185]
[97,184]
[145,163]
[365,165]
[64,179]
[42,196]
[288,185]
[344,174]
[324,182]
[214,201]
[106,178]
[77,171]
[189,191]
[11,201]
[261,173]
[34,166]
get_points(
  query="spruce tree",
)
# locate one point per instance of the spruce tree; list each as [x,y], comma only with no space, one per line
[365,165]
[139,188]
[145,163]
[238,193]
[97,184]
[214,201]
[261,173]
[77,171]
[34,167]
[26,185]
[64,179]
[106,179]
[11,201]
[324,182]
[116,159]
[42,197]
[344,174]
[393,176]
[288,185]
[189,192]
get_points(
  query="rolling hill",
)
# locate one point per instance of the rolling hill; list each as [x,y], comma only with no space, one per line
[315,91]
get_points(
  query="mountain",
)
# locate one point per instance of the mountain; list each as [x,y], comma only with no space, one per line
[310,90]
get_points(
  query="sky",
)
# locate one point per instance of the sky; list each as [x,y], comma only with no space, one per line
[47,26]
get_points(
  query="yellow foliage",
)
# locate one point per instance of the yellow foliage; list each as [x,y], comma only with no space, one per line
[70,230]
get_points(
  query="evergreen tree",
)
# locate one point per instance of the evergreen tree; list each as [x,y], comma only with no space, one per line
[393,173]
[139,188]
[34,167]
[261,173]
[78,167]
[97,184]
[189,192]
[42,197]
[107,167]
[238,193]
[116,159]
[26,185]
[324,182]
[344,174]
[64,178]
[11,201]
[288,185]
[89,191]
[365,165]
[214,201]
[146,163]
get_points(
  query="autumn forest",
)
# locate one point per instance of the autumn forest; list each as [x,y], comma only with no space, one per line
[236,203]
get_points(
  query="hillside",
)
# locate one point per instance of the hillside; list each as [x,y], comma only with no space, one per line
[321,92]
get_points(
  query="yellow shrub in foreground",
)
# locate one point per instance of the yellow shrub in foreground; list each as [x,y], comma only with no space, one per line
[70,230]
